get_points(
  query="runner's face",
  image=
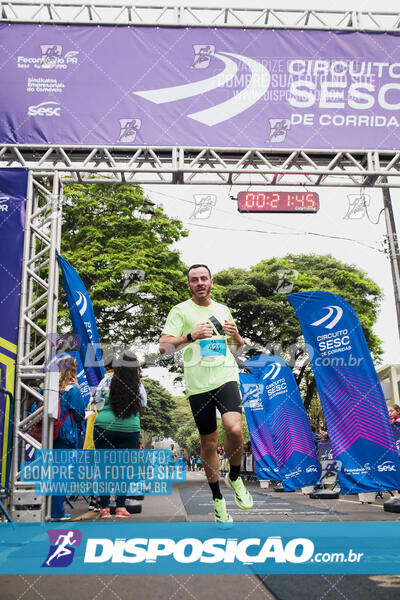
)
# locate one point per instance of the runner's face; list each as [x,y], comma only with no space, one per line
[200,283]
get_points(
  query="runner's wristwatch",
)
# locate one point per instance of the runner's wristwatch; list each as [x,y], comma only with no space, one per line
[189,337]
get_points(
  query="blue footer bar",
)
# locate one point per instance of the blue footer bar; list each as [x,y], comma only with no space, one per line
[302,548]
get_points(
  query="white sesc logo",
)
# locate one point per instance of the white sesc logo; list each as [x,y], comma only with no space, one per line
[333,311]
[81,303]
[260,80]
[386,466]
[274,371]
[45,109]
[311,469]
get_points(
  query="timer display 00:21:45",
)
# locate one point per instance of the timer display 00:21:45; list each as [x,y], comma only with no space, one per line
[278,202]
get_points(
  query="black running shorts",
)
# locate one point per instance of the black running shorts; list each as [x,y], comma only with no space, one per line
[226,398]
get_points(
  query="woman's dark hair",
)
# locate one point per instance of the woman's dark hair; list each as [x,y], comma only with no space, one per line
[124,388]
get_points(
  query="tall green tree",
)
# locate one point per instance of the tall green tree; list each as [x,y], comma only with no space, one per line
[110,231]
[159,416]
[182,413]
[185,431]
[188,438]
[268,322]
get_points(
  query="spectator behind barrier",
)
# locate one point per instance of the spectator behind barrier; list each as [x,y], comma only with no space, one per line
[70,433]
[323,435]
[394,414]
[122,401]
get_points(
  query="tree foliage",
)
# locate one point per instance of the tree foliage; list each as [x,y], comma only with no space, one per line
[268,322]
[185,431]
[188,438]
[159,416]
[182,413]
[108,232]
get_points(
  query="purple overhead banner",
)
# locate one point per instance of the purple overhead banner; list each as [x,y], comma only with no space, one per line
[350,392]
[166,86]
[13,188]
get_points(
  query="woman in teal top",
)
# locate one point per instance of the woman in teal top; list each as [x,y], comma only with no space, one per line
[117,425]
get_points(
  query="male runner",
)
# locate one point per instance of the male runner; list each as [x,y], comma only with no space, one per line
[208,334]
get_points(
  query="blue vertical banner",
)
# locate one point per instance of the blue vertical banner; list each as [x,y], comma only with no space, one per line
[260,434]
[287,420]
[13,189]
[350,392]
[83,323]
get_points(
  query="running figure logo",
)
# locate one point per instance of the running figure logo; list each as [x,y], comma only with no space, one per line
[285,284]
[128,129]
[278,129]
[61,551]
[51,53]
[204,204]
[202,55]
[358,204]
[253,395]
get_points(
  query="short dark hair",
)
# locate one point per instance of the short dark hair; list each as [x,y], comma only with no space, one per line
[196,267]
[108,362]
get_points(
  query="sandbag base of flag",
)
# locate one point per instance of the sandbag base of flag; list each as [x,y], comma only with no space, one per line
[324,495]
[392,505]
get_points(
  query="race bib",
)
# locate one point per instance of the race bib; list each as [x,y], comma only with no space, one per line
[213,347]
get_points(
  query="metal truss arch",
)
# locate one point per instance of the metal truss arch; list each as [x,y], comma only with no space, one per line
[124,13]
[51,166]
[208,166]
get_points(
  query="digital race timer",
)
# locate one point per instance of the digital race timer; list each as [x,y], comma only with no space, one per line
[278,202]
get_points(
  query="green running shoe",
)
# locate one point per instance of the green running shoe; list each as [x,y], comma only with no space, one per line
[222,518]
[242,497]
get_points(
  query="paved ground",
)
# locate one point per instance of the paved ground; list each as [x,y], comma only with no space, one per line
[190,501]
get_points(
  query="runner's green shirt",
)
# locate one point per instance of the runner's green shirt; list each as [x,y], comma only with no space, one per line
[202,373]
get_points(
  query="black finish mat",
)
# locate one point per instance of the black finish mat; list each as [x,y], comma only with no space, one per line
[198,501]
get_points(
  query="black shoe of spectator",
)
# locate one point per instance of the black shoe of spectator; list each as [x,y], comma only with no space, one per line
[133,506]
[94,505]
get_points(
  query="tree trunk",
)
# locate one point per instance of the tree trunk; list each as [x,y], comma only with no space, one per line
[311,387]
[145,438]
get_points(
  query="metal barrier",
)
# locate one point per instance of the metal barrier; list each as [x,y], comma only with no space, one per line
[247,469]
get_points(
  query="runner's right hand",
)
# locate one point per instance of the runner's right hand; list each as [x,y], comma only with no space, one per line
[202,331]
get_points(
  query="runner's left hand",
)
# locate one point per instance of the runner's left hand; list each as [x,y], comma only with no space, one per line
[230,329]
